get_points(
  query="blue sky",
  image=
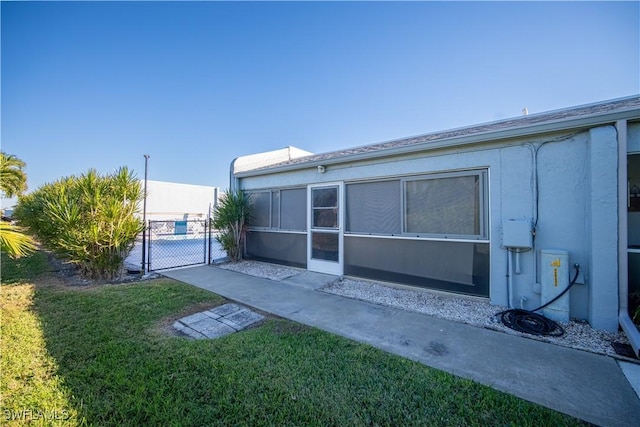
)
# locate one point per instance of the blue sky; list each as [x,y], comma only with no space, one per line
[194,85]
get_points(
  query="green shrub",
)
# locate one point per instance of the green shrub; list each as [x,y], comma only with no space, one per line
[230,219]
[13,182]
[89,220]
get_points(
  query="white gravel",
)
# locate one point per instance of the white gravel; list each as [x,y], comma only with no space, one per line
[262,269]
[473,311]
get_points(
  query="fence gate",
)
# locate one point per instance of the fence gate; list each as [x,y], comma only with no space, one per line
[176,244]
[172,244]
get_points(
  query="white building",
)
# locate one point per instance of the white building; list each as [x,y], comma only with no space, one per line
[174,201]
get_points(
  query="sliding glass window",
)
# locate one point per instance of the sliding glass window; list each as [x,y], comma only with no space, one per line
[284,209]
[374,208]
[260,209]
[449,205]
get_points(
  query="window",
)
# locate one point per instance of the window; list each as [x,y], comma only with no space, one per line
[446,205]
[284,209]
[325,207]
[373,207]
[260,209]
[275,209]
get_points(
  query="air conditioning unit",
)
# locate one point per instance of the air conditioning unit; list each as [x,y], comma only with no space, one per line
[555,279]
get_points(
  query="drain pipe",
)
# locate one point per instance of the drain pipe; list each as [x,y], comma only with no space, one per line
[509,279]
[629,328]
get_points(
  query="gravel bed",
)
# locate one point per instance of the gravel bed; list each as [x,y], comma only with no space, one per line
[472,311]
[262,269]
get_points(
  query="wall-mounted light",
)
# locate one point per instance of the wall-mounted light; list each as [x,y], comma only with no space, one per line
[321,169]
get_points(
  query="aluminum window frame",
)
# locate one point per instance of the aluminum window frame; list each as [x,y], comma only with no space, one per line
[483,202]
[276,227]
[399,208]
[270,208]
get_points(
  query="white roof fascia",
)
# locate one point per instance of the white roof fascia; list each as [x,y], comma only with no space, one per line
[262,160]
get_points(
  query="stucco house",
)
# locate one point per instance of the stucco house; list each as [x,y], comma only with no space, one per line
[510,211]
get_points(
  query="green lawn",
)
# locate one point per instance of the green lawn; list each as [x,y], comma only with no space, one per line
[22,269]
[102,356]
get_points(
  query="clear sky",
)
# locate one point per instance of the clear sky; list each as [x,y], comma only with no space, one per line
[194,85]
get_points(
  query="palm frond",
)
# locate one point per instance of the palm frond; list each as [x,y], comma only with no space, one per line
[14,241]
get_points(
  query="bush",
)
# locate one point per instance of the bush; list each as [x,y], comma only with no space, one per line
[88,220]
[230,219]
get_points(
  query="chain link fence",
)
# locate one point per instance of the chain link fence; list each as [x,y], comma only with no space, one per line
[216,253]
[172,244]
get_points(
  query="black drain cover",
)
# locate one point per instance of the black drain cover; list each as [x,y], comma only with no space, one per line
[622,349]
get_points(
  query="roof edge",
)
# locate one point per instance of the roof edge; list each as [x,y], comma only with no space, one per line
[528,129]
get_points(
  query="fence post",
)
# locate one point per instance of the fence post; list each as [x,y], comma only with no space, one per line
[210,236]
[204,238]
[148,260]
[144,244]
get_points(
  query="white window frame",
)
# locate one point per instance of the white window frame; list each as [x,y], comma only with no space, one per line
[483,201]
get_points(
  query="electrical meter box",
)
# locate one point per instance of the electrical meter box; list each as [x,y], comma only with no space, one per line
[516,233]
[554,278]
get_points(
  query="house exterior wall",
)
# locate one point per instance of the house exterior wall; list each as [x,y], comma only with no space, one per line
[602,227]
[633,133]
[575,208]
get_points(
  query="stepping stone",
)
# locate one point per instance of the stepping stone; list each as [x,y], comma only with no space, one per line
[204,324]
[211,314]
[178,325]
[244,318]
[217,322]
[226,309]
[193,318]
[217,330]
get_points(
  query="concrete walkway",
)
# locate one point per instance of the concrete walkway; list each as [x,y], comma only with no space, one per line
[581,384]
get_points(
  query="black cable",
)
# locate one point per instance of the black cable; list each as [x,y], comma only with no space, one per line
[529,322]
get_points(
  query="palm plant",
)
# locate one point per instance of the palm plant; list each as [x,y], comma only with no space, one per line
[230,218]
[13,182]
[89,220]
[13,179]
[14,241]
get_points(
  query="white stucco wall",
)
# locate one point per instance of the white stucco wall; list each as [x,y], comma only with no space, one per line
[170,200]
[576,206]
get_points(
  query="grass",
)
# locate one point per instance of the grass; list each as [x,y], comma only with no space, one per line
[22,269]
[102,355]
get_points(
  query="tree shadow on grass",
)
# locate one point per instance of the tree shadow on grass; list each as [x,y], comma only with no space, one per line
[118,368]
[24,269]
